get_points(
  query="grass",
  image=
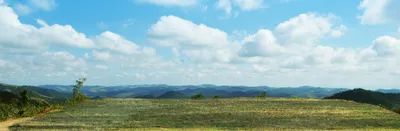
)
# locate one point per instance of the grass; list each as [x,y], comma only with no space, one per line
[221,114]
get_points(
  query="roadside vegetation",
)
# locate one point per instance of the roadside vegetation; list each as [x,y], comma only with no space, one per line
[25,101]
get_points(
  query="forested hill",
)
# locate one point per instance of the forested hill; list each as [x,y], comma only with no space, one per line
[154,91]
[388,100]
[36,92]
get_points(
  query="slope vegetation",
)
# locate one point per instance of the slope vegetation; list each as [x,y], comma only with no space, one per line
[220,114]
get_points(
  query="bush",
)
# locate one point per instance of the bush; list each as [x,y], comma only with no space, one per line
[215,97]
[79,99]
[77,96]
[397,110]
[197,96]
[263,95]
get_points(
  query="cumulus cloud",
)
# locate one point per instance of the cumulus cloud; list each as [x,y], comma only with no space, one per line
[305,29]
[374,11]
[116,43]
[386,46]
[263,43]
[27,38]
[102,56]
[181,3]
[244,5]
[339,31]
[197,41]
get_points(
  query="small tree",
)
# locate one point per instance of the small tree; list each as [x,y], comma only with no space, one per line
[24,101]
[24,97]
[215,97]
[77,96]
[197,96]
[263,95]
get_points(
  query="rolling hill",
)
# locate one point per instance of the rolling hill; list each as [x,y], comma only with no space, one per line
[388,100]
[36,92]
[135,91]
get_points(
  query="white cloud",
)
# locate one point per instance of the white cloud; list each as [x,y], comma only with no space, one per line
[198,42]
[62,35]
[181,3]
[103,67]
[86,55]
[304,29]
[176,52]
[177,32]
[46,5]
[374,11]
[27,38]
[386,46]
[103,56]
[398,30]
[116,43]
[263,43]
[22,9]
[247,5]
[225,5]
[339,31]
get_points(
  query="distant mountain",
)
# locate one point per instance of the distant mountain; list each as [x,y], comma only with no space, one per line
[389,90]
[172,95]
[389,100]
[131,91]
[36,92]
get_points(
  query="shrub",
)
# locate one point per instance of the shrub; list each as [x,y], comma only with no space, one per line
[215,97]
[263,95]
[77,96]
[197,96]
[397,110]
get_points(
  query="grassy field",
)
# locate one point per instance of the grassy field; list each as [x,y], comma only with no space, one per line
[222,114]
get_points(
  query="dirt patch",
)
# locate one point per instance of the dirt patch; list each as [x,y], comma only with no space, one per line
[5,124]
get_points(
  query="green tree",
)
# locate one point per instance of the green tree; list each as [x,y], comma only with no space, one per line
[24,97]
[215,97]
[197,96]
[24,100]
[77,96]
[263,95]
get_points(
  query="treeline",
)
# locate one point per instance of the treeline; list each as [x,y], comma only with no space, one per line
[390,101]
[24,101]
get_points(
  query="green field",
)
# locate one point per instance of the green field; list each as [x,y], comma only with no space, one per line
[221,114]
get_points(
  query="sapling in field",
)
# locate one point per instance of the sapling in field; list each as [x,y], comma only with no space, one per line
[77,96]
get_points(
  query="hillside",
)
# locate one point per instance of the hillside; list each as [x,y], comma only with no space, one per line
[36,92]
[133,91]
[389,100]
[221,114]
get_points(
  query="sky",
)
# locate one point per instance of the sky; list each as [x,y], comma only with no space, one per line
[279,43]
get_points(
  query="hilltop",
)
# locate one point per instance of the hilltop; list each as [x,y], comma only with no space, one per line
[220,114]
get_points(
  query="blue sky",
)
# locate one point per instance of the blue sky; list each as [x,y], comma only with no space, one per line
[330,43]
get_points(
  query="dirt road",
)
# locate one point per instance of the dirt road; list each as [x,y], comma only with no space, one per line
[5,124]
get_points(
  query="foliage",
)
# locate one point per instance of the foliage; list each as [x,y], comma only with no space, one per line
[198,96]
[215,97]
[77,96]
[224,114]
[263,95]
[397,110]
[387,100]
